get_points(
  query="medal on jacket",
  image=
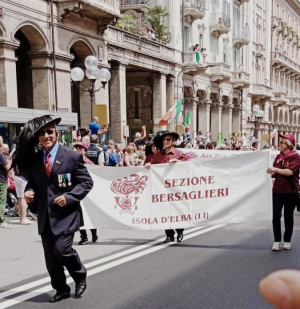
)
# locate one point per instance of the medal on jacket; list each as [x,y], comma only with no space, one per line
[69,179]
[64,181]
[60,180]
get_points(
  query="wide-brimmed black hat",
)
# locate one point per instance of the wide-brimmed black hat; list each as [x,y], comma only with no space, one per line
[39,122]
[159,137]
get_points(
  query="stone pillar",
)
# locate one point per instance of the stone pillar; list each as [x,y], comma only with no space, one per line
[216,120]
[227,121]
[118,101]
[159,100]
[63,76]
[170,100]
[43,93]
[8,74]
[202,117]
[236,119]
[190,105]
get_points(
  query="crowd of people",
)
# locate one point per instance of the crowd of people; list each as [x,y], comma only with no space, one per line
[40,166]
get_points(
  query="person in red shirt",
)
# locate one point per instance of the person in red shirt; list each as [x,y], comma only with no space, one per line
[286,172]
[169,154]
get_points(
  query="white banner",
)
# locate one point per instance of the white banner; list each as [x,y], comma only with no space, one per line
[181,195]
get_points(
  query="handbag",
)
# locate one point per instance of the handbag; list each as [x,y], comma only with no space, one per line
[297,194]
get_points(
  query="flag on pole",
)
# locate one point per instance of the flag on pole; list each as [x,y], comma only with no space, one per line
[188,118]
[273,134]
[171,115]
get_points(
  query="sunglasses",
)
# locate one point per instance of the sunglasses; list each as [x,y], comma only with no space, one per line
[49,132]
[167,139]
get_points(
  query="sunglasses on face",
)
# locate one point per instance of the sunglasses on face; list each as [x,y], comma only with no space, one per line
[167,139]
[49,132]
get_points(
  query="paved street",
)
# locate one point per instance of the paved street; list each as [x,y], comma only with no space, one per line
[214,267]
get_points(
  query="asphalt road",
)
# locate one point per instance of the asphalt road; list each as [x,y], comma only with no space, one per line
[216,267]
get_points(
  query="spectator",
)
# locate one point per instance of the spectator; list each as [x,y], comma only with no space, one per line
[4,167]
[244,141]
[186,133]
[203,54]
[120,155]
[196,49]
[1,142]
[209,146]
[82,148]
[94,126]
[93,151]
[112,157]
[130,157]
[140,137]
[202,137]
[198,142]
[86,139]
[5,150]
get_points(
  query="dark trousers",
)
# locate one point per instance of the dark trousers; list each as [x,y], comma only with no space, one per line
[59,253]
[83,233]
[171,233]
[288,202]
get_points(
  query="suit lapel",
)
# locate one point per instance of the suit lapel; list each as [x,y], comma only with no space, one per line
[58,161]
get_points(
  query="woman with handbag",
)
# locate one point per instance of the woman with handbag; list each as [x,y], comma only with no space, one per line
[285,170]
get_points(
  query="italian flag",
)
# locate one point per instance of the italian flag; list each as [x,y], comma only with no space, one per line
[273,133]
[171,115]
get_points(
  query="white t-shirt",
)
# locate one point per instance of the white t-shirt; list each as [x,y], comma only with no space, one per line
[244,141]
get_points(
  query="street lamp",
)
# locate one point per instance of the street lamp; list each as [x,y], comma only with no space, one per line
[258,115]
[92,73]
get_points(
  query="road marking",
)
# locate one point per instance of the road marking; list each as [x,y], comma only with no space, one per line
[21,298]
[39,282]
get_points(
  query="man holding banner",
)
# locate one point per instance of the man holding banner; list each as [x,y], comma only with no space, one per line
[169,154]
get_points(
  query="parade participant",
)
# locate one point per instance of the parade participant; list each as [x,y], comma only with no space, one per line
[130,157]
[82,149]
[150,151]
[169,154]
[94,126]
[286,172]
[59,179]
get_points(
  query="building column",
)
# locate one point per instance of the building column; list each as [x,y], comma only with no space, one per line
[227,121]
[43,92]
[236,118]
[63,77]
[170,100]
[118,102]
[216,120]
[8,74]
[159,100]
[190,105]
[220,110]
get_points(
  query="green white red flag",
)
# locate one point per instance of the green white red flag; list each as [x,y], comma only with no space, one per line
[273,134]
[172,114]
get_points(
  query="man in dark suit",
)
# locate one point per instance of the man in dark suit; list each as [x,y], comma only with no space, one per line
[59,180]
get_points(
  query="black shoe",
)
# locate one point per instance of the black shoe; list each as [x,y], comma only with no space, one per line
[94,237]
[83,241]
[179,236]
[59,296]
[169,239]
[80,287]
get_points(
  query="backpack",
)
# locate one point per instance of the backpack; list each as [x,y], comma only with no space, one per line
[113,160]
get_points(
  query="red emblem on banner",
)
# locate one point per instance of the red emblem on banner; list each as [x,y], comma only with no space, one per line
[191,155]
[128,186]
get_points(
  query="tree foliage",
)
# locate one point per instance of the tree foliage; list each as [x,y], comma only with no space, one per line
[156,18]
[127,23]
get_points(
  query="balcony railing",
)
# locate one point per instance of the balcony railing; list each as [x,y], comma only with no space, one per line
[241,37]
[278,57]
[260,50]
[261,90]
[219,22]
[134,2]
[194,8]
[139,44]
[280,96]
[220,71]
[240,79]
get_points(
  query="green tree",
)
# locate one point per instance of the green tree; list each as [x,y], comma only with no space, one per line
[157,18]
[127,23]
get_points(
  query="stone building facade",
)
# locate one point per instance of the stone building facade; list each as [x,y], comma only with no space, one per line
[250,59]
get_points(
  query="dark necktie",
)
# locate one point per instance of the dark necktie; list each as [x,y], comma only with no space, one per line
[48,164]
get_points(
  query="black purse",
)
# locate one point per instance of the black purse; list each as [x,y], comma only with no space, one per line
[296,193]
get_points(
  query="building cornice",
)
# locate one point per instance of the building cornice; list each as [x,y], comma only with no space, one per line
[295,4]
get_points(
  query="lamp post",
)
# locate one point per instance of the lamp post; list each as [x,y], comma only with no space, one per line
[92,73]
[258,115]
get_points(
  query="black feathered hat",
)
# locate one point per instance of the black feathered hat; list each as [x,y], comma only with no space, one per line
[39,122]
[159,137]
